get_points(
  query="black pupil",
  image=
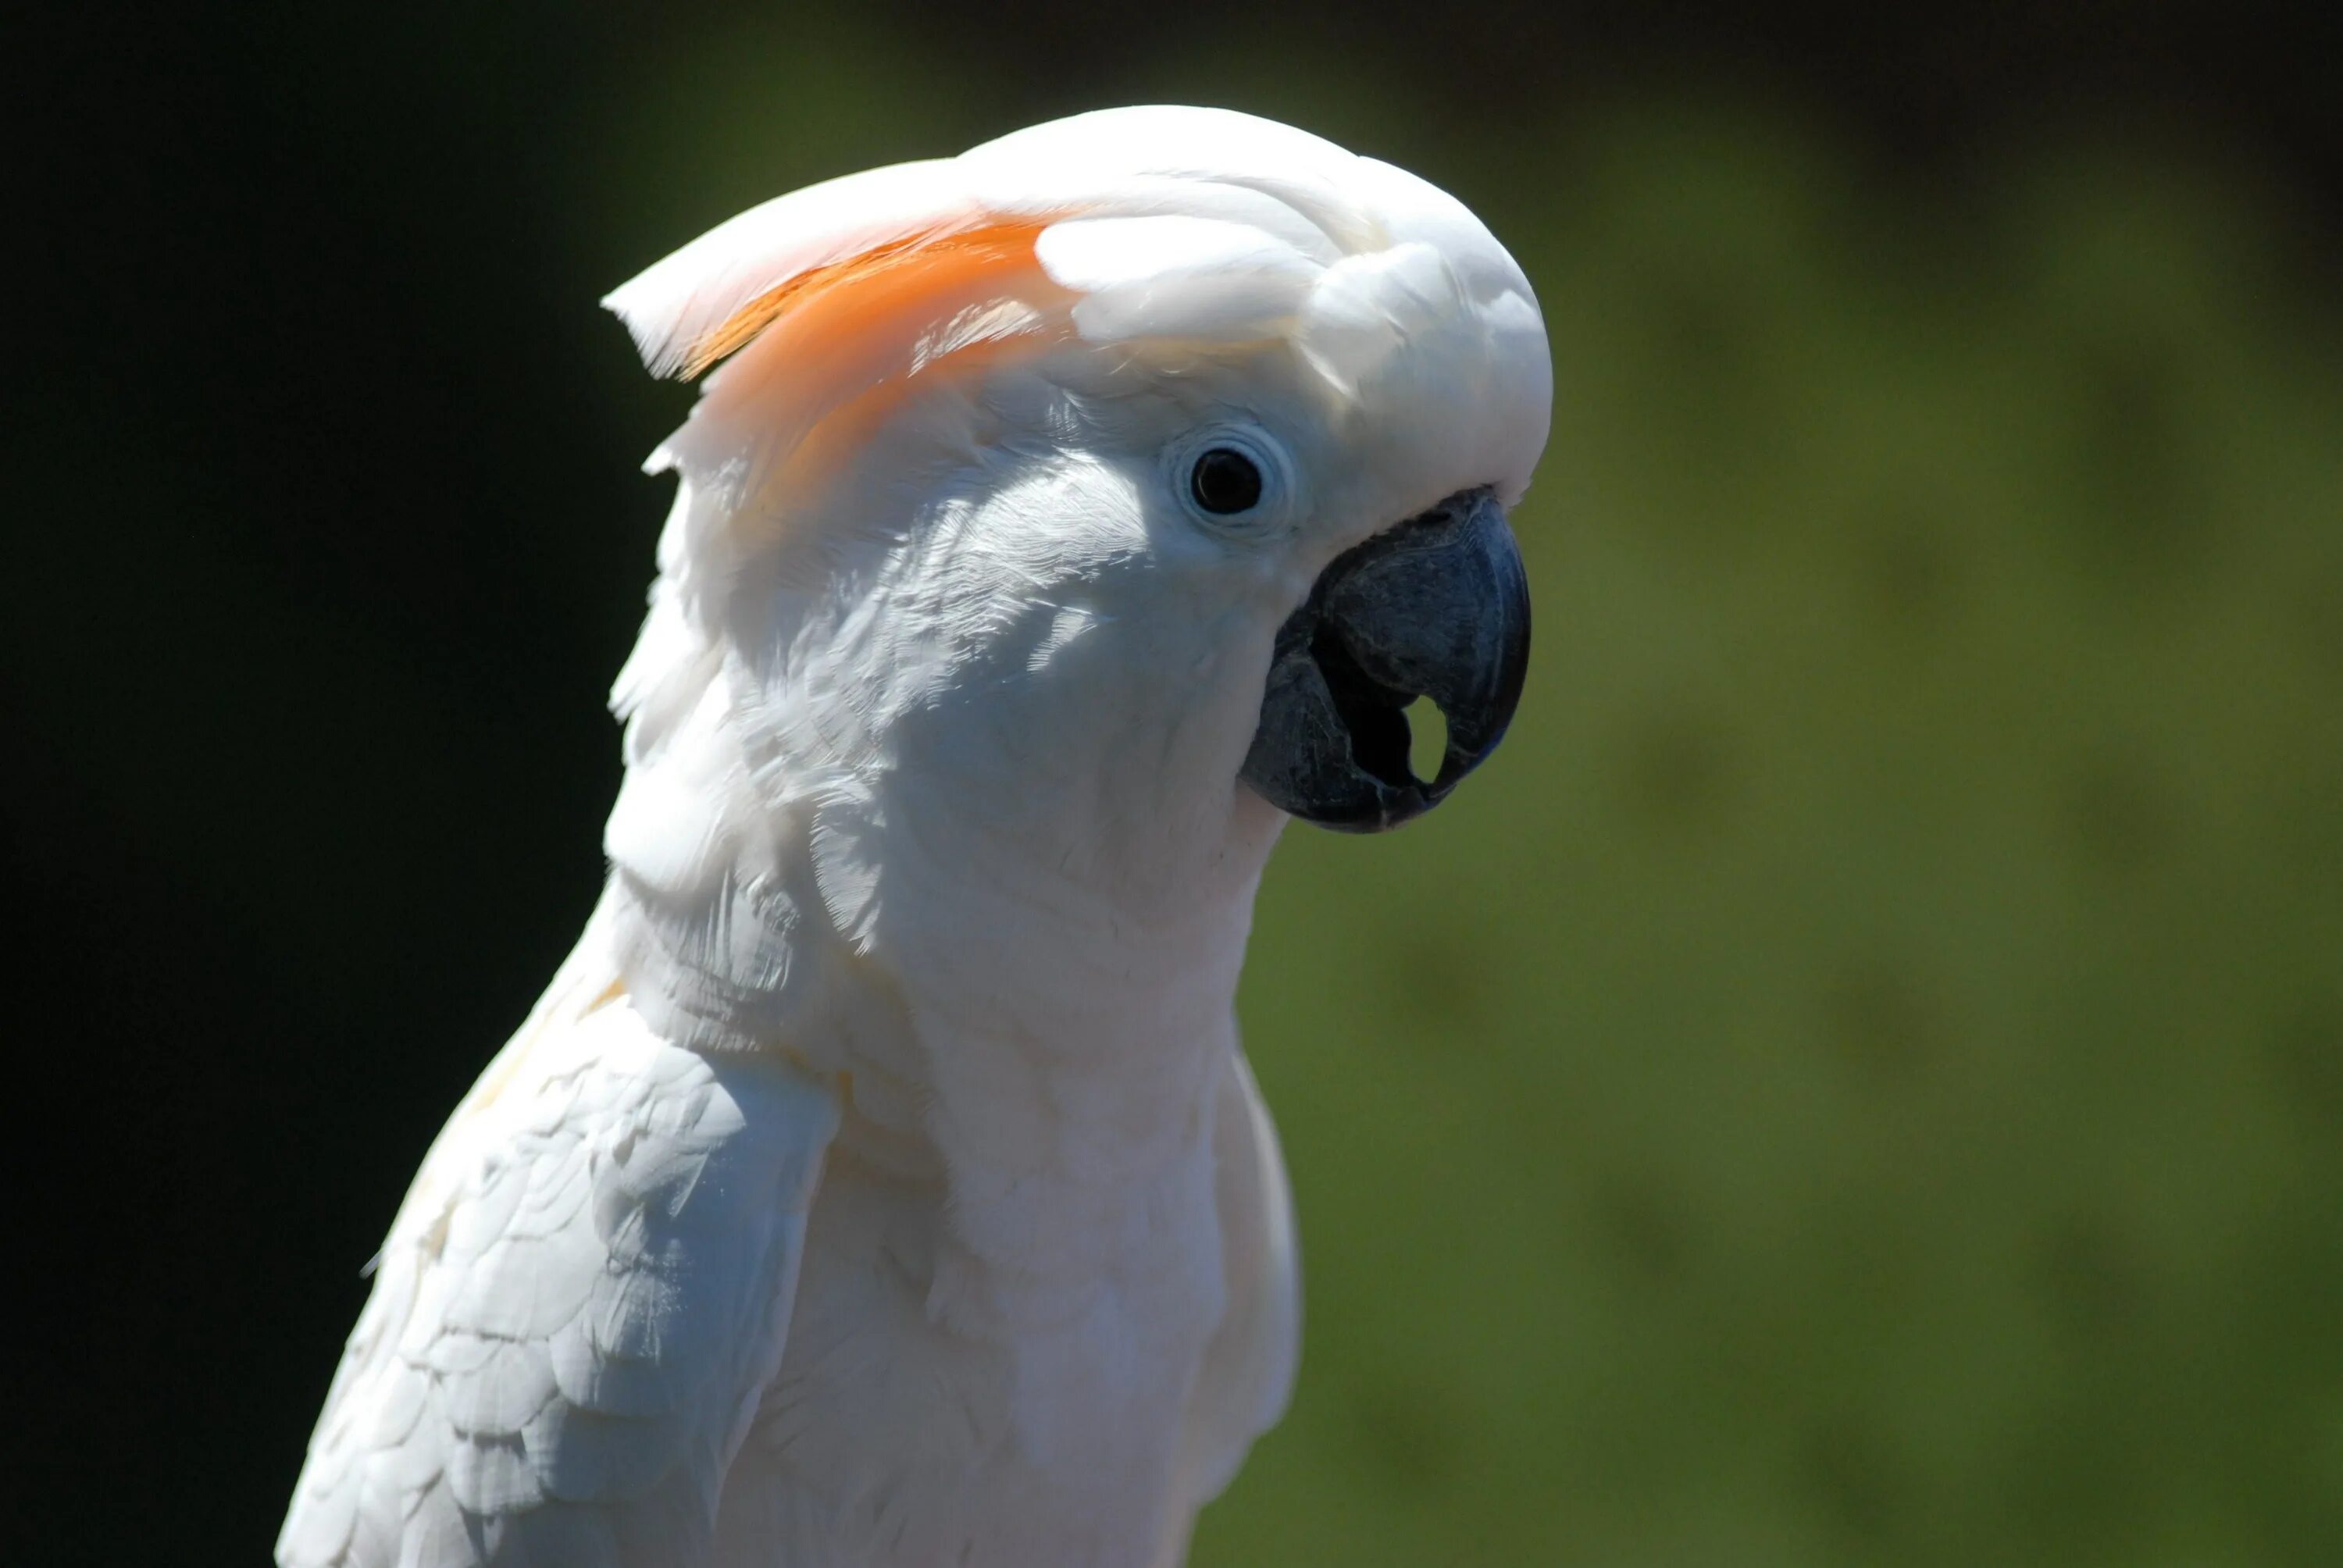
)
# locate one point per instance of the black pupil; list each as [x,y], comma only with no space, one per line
[1225,481]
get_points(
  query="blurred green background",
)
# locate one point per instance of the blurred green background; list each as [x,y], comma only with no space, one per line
[1858,1080]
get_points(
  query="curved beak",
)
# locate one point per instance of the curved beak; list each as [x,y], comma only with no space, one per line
[1437,608]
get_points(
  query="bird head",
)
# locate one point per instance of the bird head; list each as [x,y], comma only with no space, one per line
[1112,488]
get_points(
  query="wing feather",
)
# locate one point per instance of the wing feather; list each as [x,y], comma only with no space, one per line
[1249,1367]
[576,1309]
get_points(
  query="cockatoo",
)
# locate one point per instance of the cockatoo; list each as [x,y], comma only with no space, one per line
[880,1181]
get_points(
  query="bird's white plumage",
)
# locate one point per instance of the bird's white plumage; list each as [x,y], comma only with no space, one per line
[880,1182]
[569,1318]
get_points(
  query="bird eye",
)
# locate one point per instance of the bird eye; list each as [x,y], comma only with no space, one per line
[1224,481]
[1234,479]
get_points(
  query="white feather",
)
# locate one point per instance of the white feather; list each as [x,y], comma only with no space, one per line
[672,304]
[1175,275]
[571,1303]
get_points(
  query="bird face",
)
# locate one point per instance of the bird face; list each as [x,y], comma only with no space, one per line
[1112,475]
[1197,562]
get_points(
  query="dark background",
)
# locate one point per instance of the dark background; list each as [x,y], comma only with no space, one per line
[1861,1082]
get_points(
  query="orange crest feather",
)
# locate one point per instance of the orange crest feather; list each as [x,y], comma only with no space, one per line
[826,305]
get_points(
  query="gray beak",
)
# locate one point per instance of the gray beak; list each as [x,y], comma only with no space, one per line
[1436,607]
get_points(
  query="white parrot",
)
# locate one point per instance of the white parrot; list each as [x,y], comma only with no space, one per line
[880,1182]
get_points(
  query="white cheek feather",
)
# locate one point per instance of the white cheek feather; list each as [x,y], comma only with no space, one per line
[1067,624]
